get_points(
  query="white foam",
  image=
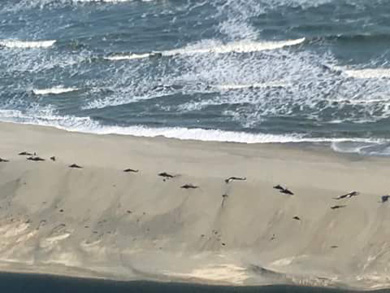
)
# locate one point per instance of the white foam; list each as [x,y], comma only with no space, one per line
[15,6]
[236,47]
[227,87]
[128,57]
[213,47]
[54,90]
[183,133]
[106,1]
[377,148]
[234,17]
[128,98]
[35,61]
[369,73]
[112,101]
[46,117]
[100,1]
[26,44]
[365,101]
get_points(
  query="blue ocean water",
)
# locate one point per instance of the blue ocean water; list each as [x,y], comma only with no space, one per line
[226,70]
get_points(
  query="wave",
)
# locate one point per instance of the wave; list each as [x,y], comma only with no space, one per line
[116,100]
[213,47]
[112,101]
[228,87]
[106,1]
[235,47]
[103,1]
[215,135]
[41,4]
[47,117]
[356,38]
[368,73]
[234,10]
[378,148]
[54,91]
[128,57]
[19,44]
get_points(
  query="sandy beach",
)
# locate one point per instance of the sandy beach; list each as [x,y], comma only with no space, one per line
[98,221]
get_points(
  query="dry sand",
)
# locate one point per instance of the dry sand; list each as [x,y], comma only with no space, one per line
[99,221]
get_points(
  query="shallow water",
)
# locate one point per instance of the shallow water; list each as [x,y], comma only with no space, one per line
[228,70]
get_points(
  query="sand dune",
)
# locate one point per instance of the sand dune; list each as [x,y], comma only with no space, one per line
[99,221]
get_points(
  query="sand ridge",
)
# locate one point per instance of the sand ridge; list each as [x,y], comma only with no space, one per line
[99,221]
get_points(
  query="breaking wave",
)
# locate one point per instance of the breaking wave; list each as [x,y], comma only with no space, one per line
[54,90]
[238,75]
[47,117]
[18,44]
[128,57]
[228,87]
[213,47]
[369,73]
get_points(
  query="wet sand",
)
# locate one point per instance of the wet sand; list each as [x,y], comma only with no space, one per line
[98,221]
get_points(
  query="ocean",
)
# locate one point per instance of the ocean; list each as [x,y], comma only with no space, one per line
[28,283]
[249,71]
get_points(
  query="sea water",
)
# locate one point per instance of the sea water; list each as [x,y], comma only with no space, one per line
[249,71]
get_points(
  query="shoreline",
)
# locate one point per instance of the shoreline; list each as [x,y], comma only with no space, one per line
[315,143]
[100,221]
[322,147]
[105,285]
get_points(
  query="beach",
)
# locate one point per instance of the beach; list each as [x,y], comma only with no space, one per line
[98,221]
[211,146]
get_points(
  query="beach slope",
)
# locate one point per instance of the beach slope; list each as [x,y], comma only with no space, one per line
[192,224]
